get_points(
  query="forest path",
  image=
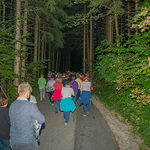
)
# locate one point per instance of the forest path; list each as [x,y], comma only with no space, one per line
[81,133]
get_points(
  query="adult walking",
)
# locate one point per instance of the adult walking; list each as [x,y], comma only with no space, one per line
[66,103]
[49,87]
[85,97]
[74,85]
[22,118]
[78,80]
[57,87]
[42,85]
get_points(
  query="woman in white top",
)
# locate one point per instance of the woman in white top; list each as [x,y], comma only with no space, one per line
[86,95]
[66,104]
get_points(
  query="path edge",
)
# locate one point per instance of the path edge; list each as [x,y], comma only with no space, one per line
[121,131]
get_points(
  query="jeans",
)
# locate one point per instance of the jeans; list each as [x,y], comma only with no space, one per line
[74,98]
[24,146]
[66,116]
[42,94]
[86,108]
[57,106]
[4,145]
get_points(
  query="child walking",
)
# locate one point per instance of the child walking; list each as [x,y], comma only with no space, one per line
[66,104]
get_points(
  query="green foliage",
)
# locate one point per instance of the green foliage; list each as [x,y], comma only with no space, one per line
[142,19]
[123,104]
[34,69]
[7,60]
[127,68]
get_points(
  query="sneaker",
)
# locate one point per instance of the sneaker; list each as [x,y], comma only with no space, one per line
[52,103]
[88,112]
[84,115]
[66,124]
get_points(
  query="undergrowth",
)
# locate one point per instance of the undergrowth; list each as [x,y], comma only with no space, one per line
[136,114]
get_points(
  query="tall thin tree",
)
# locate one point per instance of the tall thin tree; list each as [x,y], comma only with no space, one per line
[18,44]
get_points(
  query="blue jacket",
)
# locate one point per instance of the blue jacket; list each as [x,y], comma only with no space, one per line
[85,98]
[67,104]
[22,118]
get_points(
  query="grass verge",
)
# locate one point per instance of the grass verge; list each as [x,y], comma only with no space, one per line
[120,101]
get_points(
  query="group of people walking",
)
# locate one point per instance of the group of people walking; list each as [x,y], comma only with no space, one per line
[18,123]
[65,90]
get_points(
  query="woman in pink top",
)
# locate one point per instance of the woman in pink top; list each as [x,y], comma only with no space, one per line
[57,94]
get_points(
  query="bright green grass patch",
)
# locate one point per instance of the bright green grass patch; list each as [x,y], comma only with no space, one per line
[120,101]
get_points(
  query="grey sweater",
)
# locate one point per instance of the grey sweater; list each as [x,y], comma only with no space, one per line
[22,117]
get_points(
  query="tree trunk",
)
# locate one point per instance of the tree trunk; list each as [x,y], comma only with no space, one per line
[49,57]
[36,37]
[24,39]
[64,62]
[68,61]
[0,11]
[57,60]
[53,58]
[84,39]
[91,44]
[4,9]
[44,53]
[136,6]
[116,23]
[129,16]
[116,26]
[18,44]
[39,43]
[88,46]
[109,31]
[93,48]
[42,50]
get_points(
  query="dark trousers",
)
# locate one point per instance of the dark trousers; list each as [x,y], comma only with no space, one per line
[78,94]
[50,95]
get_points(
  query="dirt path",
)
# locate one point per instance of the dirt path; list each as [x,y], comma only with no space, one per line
[81,133]
[121,131]
[56,136]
